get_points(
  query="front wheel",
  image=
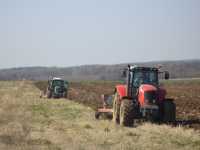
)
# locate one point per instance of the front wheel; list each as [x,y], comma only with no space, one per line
[127,112]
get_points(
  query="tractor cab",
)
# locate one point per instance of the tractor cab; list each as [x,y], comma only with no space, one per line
[59,82]
[137,76]
[144,76]
[57,88]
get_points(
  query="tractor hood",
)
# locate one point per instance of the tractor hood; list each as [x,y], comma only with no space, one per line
[150,94]
[147,87]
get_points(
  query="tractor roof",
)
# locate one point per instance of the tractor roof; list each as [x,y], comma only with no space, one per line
[134,68]
[56,78]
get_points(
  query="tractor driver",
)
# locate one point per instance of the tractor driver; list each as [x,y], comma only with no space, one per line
[139,78]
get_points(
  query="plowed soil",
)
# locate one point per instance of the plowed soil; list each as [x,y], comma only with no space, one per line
[186,95]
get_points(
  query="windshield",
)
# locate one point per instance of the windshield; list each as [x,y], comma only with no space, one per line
[145,77]
[58,83]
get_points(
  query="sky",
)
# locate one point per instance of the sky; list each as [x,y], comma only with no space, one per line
[77,32]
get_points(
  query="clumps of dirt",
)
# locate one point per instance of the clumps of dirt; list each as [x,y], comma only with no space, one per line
[89,94]
[187,98]
[186,95]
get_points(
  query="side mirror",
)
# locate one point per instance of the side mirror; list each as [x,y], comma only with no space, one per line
[166,75]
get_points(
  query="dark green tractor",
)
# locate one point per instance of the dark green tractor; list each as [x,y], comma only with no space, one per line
[57,88]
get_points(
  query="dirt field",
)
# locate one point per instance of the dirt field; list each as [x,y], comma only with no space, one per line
[28,122]
[185,93]
[187,98]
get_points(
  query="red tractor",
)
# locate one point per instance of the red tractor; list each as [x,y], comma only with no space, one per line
[142,97]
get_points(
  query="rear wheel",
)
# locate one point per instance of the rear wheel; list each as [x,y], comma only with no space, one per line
[116,108]
[169,111]
[127,113]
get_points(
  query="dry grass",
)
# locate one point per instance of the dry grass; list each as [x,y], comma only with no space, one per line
[28,122]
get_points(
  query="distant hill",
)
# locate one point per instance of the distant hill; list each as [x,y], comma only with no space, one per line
[177,69]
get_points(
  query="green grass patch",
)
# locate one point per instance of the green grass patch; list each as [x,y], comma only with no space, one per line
[41,109]
[57,109]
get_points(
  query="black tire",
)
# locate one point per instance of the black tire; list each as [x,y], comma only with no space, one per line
[116,108]
[169,111]
[127,113]
[49,94]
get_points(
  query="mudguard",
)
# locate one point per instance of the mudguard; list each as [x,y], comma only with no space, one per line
[121,90]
